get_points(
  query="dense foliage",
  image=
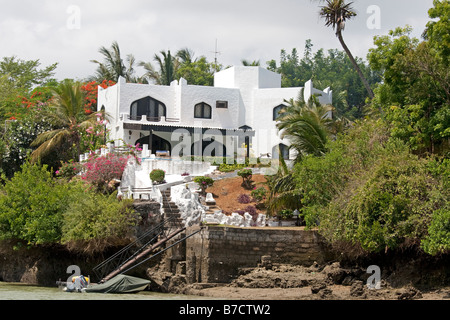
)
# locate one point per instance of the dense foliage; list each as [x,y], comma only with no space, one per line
[369,190]
[37,209]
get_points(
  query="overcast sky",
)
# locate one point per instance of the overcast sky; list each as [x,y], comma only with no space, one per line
[71,32]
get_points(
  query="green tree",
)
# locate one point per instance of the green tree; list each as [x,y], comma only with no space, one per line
[18,79]
[18,137]
[438,31]
[328,69]
[198,72]
[254,63]
[26,74]
[69,117]
[113,65]
[31,206]
[336,13]
[167,65]
[415,93]
[95,222]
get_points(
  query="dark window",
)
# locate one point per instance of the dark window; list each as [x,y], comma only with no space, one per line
[148,106]
[277,111]
[222,104]
[202,110]
[282,150]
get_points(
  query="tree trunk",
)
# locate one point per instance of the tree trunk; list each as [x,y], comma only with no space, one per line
[349,54]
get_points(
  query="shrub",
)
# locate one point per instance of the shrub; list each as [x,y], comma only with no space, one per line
[246,175]
[204,183]
[387,205]
[157,175]
[369,191]
[286,214]
[97,221]
[31,206]
[259,194]
[102,170]
[244,198]
[438,239]
[252,211]
[69,169]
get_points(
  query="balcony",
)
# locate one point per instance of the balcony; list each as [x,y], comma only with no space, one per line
[125,117]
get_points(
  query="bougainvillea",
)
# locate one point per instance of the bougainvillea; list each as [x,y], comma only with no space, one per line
[94,137]
[102,171]
[69,169]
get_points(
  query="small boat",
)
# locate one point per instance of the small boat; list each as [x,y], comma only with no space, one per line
[119,284]
[76,285]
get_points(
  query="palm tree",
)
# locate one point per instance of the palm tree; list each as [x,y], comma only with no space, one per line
[186,56]
[113,66]
[336,13]
[168,66]
[68,114]
[307,125]
[254,63]
[283,191]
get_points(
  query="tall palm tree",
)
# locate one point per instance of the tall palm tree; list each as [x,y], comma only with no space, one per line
[113,66]
[168,66]
[336,13]
[307,125]
[68,114]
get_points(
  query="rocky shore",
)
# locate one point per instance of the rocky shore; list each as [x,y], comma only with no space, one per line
[288,282]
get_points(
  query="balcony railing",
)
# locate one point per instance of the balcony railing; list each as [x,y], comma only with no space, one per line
[144,118]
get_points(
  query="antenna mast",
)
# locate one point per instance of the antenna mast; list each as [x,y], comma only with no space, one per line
[215,54]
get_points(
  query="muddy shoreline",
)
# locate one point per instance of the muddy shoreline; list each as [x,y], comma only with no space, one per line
[330,281]
[285,282]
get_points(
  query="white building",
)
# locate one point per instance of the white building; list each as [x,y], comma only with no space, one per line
[236,115]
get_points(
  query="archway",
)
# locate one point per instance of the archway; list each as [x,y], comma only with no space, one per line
[157,143]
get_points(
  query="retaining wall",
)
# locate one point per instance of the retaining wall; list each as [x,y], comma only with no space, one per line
[216,253]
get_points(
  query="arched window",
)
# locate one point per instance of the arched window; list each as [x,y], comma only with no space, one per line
[149,107]
[202,110]
[280,149]
[277,111]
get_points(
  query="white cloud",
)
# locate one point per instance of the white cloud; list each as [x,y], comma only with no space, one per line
[250,29]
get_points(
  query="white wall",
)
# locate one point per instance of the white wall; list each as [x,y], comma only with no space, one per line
[252,94]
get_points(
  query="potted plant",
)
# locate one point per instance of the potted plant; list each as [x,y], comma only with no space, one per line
[286,217]
[157,176]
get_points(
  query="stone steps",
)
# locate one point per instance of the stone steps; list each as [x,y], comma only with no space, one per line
[170,208]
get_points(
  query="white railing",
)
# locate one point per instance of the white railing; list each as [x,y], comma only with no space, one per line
[128,118]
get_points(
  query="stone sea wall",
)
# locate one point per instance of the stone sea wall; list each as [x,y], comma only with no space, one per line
[216,253]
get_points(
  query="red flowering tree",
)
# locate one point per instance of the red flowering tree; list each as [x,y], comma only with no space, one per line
[102,172]
[91,90]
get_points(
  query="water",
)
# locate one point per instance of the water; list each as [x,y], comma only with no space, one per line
[17,291]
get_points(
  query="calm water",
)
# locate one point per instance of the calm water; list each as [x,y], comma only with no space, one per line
[15,291]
